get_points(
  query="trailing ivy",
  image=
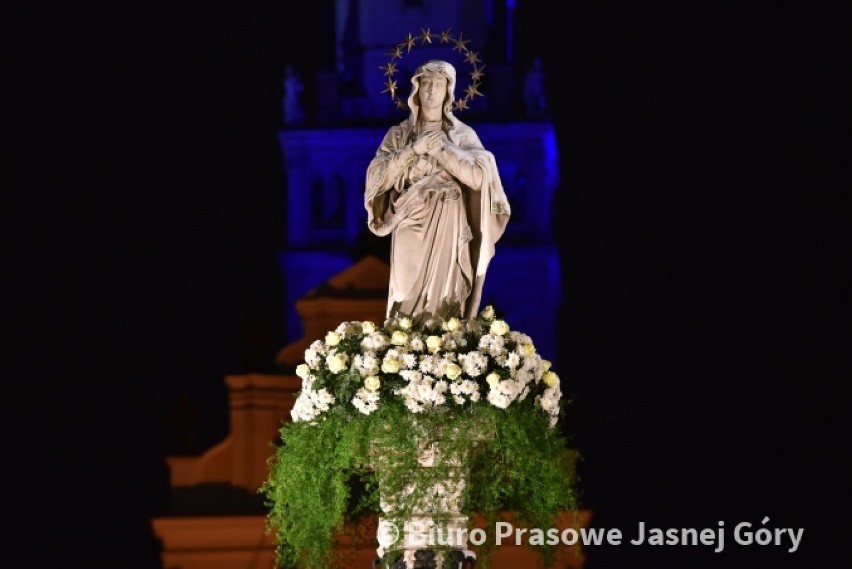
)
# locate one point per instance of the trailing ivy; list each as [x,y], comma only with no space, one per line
[326,474]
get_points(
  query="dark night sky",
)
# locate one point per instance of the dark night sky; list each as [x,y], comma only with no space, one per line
[699,233]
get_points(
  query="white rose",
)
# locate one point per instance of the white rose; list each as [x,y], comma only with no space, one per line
[452,324]
[368,327]
[550,379]
[372,383]
[493,379]
[434,343]
[405,323]
[399,338]
[332,339]
[337,363]
[303,371]
[452,371]
[528,350]
[487,312]
[499,328]
[390,365]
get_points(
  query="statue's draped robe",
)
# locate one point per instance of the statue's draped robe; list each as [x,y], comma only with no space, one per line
[444,213]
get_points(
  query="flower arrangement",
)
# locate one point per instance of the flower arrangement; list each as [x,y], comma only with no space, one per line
[476,384]
[424,364]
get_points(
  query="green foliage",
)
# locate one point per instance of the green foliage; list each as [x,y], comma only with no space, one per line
[326,473]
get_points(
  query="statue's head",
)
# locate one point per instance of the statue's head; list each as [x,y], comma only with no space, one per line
[432,73]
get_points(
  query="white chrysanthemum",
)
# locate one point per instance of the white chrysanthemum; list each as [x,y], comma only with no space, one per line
[464,389]
[432,393]
[366,401]
[315,354]
[513,359]
[529,363]
[520,338]
[311,403]
[498,399]
[409,360]
[441,364]
[427,364]
[503,392]
[394,353]
[492,345]
[413,405]
[345,329]
[473,363]
[375,341]
[411,375]
[416,343]
[524,376]
[367,363]
[549,403]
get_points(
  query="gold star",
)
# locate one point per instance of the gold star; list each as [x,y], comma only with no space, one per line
[461,104]
[389,69]
[397,52]
[390,87]
[445,36]
[471,91]
[410,42]
[400,104]
[471,58]
[477,73]
[425,36]
[460,44]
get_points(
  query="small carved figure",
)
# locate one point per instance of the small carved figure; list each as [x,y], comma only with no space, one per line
[535,102]
[293,87]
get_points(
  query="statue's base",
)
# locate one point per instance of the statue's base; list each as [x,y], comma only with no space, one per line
[429,559]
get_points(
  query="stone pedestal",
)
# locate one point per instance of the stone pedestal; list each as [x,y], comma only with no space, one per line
[422,525]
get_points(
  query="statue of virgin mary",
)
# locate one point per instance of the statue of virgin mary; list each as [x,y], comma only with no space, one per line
[436,190]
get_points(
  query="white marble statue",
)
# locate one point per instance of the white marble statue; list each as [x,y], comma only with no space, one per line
[434,188]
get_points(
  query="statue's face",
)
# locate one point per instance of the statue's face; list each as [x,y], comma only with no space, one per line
[433,90]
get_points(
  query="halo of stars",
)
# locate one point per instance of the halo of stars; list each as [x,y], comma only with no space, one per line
[426,36]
